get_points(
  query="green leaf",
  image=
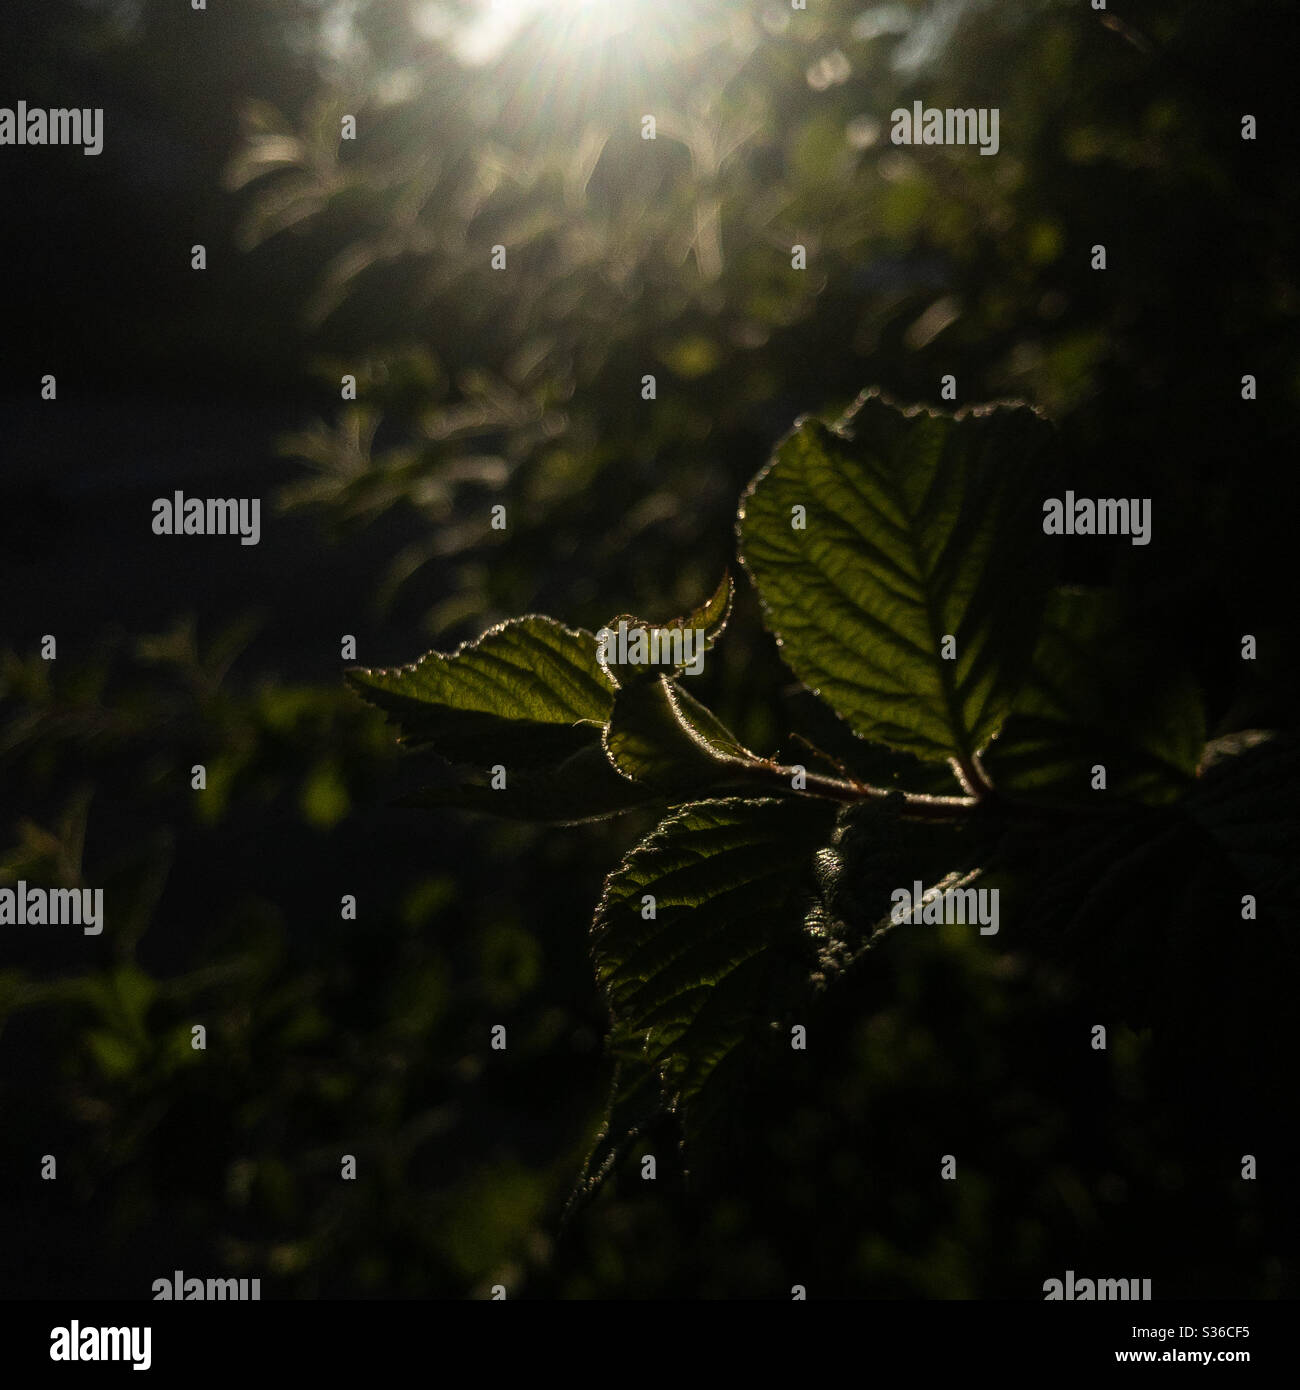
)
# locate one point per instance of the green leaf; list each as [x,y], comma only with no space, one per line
[711,616]
[1250,805]
[918,526]
[634,1110]
[529,696]
[663,737]
[529,692]
[705,624]
[1098,694]
[695,991]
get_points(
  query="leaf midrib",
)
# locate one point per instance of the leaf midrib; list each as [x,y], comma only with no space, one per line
[947,684]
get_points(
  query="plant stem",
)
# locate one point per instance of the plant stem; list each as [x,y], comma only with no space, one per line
[970,773]
[912,805]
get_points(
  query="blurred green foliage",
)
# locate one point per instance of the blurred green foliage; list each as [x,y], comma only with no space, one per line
[524,387]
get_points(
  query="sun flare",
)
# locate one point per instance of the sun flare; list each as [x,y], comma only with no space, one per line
[578,22]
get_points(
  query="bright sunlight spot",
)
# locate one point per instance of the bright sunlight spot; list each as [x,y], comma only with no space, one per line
[575,23]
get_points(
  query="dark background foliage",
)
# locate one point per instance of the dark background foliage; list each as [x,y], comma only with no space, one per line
[626,257]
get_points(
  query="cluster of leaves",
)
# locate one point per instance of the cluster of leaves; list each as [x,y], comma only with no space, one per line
[900,561]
